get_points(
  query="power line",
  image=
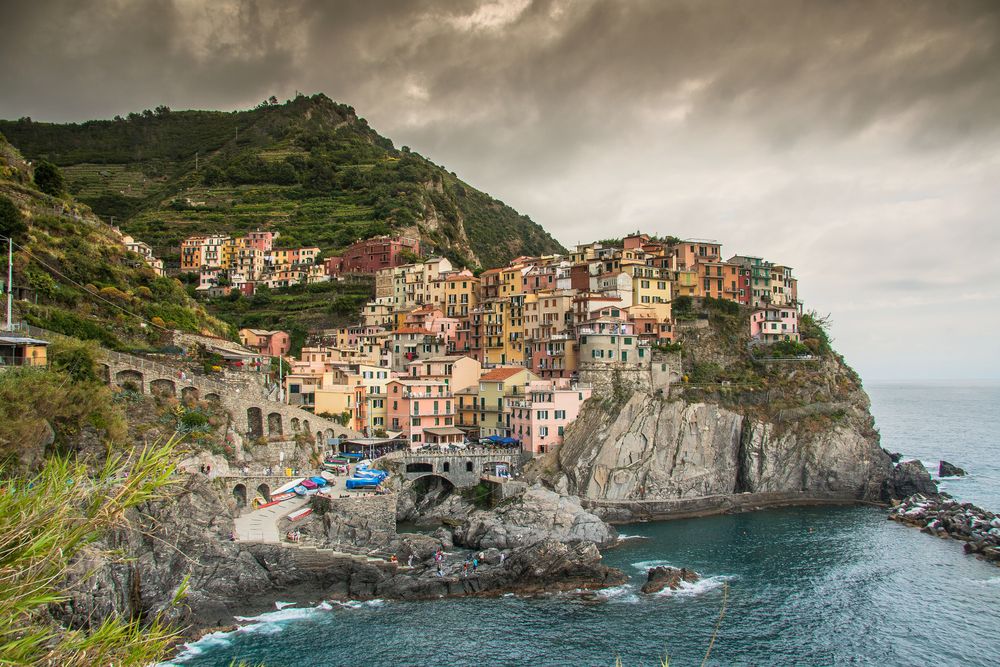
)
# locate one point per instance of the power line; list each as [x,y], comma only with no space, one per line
[83,287]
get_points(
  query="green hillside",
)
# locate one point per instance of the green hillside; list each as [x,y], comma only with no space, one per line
[74,276]
[309,168]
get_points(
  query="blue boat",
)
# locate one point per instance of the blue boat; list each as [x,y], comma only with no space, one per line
[300,490]
[362,482]
[318,481]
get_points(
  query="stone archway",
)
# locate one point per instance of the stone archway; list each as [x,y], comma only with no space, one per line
[419,467]
[213,397]
[295,424]
[189,394]
[328,435]
[446,467]
[240,494]
[163,387]
[274,423]
[319,438]
[255,422]
[264,491]
[129,379]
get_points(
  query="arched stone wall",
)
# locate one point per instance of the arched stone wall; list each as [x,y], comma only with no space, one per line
[295,424]
[264,491]
[240,494]
[255,422]
[213,397]
[419,467]
[189,393]
[274,423]
[162,387]
[126,377]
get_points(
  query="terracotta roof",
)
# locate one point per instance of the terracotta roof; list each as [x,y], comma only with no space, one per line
[499,374]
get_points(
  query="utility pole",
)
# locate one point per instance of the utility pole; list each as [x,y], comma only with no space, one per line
[10,284]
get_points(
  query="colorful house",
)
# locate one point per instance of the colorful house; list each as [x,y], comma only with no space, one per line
[424,410]
[539,418]
[495,387]
[772,324]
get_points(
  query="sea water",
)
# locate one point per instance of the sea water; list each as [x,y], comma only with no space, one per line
[800,586]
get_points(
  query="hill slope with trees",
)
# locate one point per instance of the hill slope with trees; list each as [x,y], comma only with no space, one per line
[72,273]
[309,168]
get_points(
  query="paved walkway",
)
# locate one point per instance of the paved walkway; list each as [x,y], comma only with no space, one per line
[262,525]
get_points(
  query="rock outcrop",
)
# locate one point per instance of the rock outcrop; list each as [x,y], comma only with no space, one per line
[943,516]
[536,516]
[188,536]
[658,578]
[659,449]
[946,469]
[908,478]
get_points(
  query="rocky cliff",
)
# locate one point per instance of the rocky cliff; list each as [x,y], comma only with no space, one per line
[784,430]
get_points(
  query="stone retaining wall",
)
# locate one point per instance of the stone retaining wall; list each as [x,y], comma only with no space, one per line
[359,521]
[630,511]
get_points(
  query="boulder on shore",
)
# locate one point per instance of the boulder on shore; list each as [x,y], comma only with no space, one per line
[908,478]
[659,578]
[538,515]
[946,469]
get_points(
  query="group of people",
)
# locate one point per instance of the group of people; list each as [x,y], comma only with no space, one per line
[293,536]
[468,565]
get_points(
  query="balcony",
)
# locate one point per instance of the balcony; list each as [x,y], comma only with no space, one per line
[411,394]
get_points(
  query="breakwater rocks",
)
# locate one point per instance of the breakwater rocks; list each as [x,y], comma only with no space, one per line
[946,517]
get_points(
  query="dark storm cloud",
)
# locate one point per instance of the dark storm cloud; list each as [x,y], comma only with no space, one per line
[792,68]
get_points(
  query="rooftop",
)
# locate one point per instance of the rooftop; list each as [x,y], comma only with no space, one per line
[498,374]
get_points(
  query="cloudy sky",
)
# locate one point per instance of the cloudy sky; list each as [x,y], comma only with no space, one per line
[858,142]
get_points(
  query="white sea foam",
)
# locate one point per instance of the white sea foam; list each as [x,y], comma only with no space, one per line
[687,589]
[193,649]
[282,605]
[273,622]
[624,594]
[622,537]
[359,604]
[644,565]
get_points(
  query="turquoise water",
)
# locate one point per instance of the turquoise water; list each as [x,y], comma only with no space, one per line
[806,586]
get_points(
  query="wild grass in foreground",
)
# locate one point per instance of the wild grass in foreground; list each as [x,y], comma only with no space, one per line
[45,520]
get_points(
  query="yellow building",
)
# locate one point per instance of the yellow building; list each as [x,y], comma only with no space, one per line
[651,289]
[495,387]
[461,295]
[468,408]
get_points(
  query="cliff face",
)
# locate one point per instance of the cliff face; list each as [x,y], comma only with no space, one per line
[788,430]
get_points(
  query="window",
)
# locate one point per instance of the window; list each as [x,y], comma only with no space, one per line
[543,431]
[560,414]
[561,431]
[415,421]
[628,341]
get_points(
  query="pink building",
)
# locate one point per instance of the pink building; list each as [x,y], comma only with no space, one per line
[539,420]
[424,410]
[263,241]
[272,343]
[775,323]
